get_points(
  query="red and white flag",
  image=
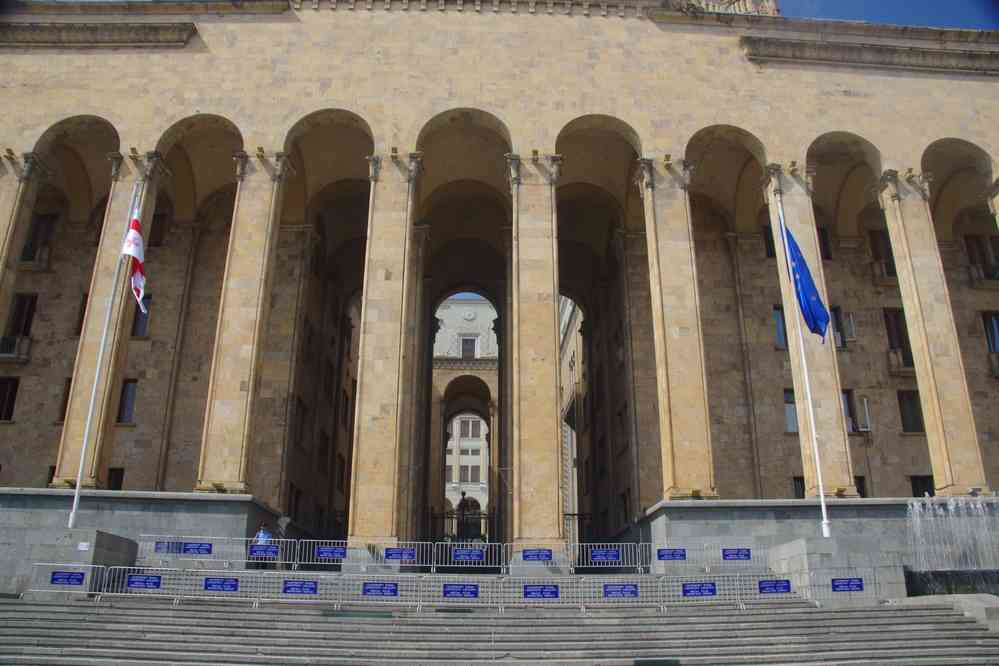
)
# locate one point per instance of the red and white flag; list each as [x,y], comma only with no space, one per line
[134,248]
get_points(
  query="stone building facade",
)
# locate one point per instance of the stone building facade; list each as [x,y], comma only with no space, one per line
[315,178]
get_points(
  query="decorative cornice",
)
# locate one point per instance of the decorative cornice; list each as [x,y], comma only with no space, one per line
[104,35]
[451,363]
[148,7]
[852,54]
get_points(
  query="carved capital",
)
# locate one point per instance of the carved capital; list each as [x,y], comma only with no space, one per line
[283,166]
[992,197]
[374,167]
[554,169]
[888,182]
[774,171]
[116,160]
[240,158]
[152,166]
[33,167]
[513,167]
[645,175]
[415,166]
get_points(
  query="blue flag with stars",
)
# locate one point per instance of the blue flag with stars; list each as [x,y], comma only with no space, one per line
[812,309]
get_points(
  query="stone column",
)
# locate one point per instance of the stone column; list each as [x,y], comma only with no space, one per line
[684,430]
[929,317]
[18,186]
[374,504]
[242,320]
[136,185]
[535,351]
[823,370]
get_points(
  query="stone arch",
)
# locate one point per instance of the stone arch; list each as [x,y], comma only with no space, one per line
[846,169]
[727,166]
[960,175]
[602,152]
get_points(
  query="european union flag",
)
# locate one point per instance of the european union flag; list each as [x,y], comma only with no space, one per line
[812,309]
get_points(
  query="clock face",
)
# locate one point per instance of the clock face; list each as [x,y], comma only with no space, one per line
[469,316]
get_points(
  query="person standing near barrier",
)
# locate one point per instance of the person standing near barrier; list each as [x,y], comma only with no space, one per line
[261,538]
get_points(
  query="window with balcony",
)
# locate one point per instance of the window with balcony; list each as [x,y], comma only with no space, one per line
[798,487]
[922,485]
[910,411]
[898,337]
[140,323]
[790,412]
[126,402]
[8,396]
[780,328]
[825,244]
[850,411]
[116,478]
[768,241]
[983,255]
[468,345]
[882,253]
[36,246]
[991,321]
[18,332]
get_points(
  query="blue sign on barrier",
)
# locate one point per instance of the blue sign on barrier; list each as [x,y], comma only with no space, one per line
[780,586]
[847,584]
[300,587]
[221,584]
[379,589]
[196,548]
[468,555]
[461,590]
[620,590]
[737,554]
[331,552]
[174,547]
[605,555]
[268,551]
[400,553]
[671,554]
[537,554]
[143,582]
[67,578]
[700,590]
[541,591]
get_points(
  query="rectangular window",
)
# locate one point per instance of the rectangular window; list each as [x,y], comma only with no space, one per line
[768,241]
[476,429]
[839,330]
[850,411]
[860,483]
[341,472]
[790,412]
[64,405]
[991,321]
[922,486]
[140,323]
[448,473]
[468,348]
[911,412]
[981,253]
[465,428]
[38,237]
[126,404]
[780,329]
[475,474]
[8,396]
[898,334]
[81,316]
[881,251]
[798,487]
[22,314]
[116,478]
[825,246]
[465,474]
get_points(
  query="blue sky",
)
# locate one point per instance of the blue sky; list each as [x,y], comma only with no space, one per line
[981,14]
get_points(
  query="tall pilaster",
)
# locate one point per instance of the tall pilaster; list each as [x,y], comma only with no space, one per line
[791,193]
[929,317]
[242,319]
[684,430]
[19,183]
[535,351]
[91,407]
[374,503]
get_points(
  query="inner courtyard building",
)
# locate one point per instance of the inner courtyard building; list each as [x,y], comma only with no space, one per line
[514,292]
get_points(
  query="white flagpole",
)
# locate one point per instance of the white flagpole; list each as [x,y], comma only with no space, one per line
[779,196]
[100,360]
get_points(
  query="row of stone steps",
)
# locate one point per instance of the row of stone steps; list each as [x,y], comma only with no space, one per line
[128,632]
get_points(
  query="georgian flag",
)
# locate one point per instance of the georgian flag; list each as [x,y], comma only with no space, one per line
[134,248]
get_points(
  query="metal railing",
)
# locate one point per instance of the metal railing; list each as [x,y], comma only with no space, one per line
[829,587]
[203,551]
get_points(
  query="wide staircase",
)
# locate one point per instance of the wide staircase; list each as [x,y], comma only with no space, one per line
[133,632]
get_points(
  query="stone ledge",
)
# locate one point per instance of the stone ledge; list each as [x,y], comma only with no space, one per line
[751,504]
[101,35]
[151,7]
[850,54]
[134,494]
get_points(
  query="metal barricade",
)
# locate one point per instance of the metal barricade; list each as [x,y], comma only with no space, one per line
[531,558]
[628,591]
[389,556]
[735,556]
[263,554]
[224,584]
[470,555]
[54,578]
[702,588]
[769,587]
[844,586]
[380,590]
[458,590]
[602,556]
[676,558]
[321,554]
[299,587]
[226,552]
[539,592]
